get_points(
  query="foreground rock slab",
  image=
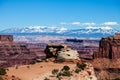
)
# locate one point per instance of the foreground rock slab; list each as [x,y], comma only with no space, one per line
[40,71]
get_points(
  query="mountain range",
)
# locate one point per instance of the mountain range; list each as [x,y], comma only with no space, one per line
[61,31]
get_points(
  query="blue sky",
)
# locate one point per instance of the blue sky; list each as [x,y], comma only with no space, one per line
[62,13]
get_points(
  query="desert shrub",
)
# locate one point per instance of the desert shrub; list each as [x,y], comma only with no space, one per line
[46,78]
[59,61]
[117,79]
[81,65]
[1,78]
[66,73]
[16,66]
[66,68]
[77,70]
[59,74]
[32,62]
[55,71]
[2,71]
[28,67]
[41,66]
[91,78]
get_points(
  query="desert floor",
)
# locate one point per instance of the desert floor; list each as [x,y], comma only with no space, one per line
[37,71]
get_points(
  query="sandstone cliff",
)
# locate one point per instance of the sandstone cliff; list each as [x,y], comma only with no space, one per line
[109,47]
[14,53]
[107,60]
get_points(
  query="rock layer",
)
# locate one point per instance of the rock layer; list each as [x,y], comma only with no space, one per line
[14,53]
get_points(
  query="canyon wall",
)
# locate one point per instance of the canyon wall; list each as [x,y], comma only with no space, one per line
[12,53]
[109,47]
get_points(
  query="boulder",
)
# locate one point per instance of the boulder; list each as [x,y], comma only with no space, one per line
[61,52]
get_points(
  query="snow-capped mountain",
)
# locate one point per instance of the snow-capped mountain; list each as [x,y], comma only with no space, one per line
[36,29]
[96,32]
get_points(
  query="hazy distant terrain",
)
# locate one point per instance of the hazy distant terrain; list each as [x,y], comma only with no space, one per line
[61,31]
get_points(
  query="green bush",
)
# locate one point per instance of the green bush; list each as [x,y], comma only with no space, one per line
[66,68]
[59,60]
[46,78]
[59,74]
[2,71]
[32,62]
[55,71]
[117,79]
[81,65]
[66,73]
[1,78]
[77,70]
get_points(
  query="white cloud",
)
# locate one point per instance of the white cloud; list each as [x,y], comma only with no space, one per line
[72,23]
[89,24]
[75,23]
[110,23]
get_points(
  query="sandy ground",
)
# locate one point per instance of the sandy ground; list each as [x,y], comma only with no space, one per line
[37,71]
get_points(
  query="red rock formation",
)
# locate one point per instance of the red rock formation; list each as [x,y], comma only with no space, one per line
[14,53]
[6,38]
[109,47]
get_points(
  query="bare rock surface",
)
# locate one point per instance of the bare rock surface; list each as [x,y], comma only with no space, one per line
[36,72]
[61,52]
[68,54]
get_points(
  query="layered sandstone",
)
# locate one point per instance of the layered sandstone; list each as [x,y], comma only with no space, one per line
[13,53]
[109,47]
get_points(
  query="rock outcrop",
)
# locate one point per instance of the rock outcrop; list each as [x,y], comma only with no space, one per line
[52,50]
[109,47]
[6,38]
[14,53]
[61,52]
[68,54]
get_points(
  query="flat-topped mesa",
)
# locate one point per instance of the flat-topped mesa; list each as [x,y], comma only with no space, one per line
[61,52]
[109,47]
[6,38]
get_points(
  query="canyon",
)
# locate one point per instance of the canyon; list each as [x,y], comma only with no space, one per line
[103,55]
[12,53]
